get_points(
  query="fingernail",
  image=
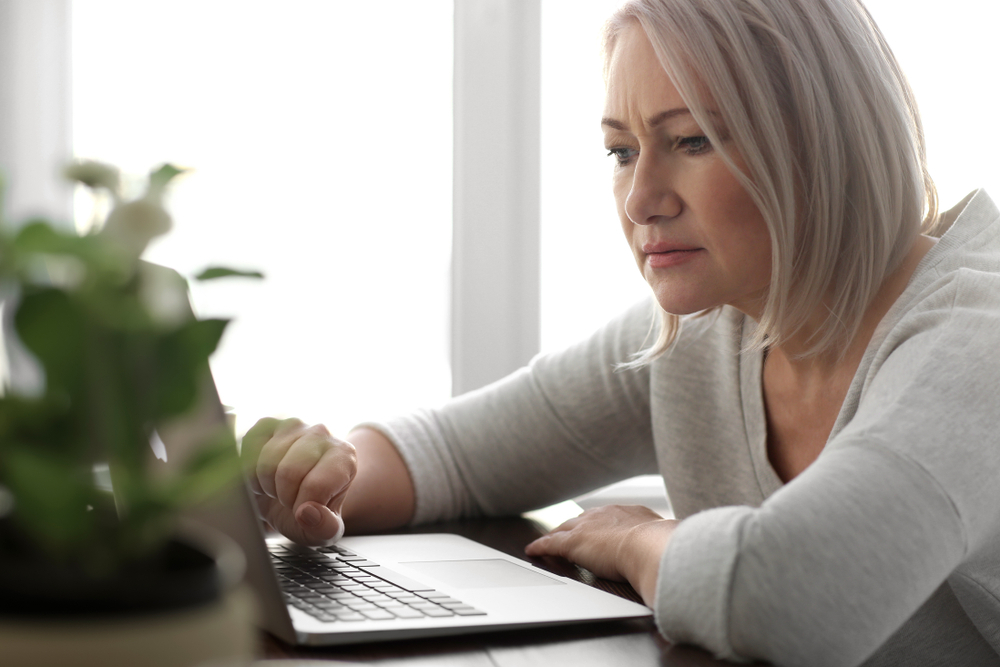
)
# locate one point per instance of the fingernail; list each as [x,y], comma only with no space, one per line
[309,516]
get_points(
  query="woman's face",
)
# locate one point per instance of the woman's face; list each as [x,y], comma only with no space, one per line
[697,236]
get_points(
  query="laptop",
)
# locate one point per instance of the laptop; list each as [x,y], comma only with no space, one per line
[380,587]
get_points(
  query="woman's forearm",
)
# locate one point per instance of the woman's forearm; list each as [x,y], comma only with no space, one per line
[381,496]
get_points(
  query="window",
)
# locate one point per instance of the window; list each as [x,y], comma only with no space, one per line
[588,274]
[320,142]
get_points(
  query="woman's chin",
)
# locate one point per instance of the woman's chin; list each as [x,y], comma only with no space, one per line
[677,304]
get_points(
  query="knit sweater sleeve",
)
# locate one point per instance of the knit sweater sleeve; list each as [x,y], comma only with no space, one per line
[831,565]
[566,423]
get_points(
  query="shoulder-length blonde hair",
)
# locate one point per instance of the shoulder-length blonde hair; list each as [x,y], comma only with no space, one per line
[814,101]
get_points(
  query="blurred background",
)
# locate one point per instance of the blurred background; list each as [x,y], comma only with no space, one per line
[320,135]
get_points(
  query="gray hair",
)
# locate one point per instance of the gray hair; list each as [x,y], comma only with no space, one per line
[814,101]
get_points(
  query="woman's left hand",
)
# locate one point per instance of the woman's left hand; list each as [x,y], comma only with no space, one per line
[619,542]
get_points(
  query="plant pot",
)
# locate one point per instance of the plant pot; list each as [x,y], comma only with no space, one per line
[189,610]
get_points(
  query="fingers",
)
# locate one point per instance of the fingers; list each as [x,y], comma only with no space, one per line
[285,464]
[271,454]
[262,448]
[594,539]
[253,441]
[553,544]
[301,475]
[327,480]
[299,526]
[319,523]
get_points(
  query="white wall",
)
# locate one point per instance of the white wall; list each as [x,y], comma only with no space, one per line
[35,107]
[494,314]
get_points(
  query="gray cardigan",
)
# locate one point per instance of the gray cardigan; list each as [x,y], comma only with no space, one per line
[886,549]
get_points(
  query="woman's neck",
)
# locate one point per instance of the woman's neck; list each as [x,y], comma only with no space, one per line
[805,370]
[804,396]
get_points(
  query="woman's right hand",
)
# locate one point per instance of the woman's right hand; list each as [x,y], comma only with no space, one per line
[300,475]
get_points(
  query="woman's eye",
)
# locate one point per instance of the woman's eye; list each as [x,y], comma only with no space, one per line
[694,145]
[623,155]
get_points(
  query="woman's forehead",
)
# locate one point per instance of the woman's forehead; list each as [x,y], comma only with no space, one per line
[638,88]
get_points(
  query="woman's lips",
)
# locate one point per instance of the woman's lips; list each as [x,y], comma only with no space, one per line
[663,255]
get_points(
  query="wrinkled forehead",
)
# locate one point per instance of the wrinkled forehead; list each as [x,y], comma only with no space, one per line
[634,76]
[637,86]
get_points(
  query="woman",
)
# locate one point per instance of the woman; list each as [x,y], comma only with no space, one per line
[821,394]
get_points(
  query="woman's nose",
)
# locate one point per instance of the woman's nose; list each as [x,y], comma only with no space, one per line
[652,196]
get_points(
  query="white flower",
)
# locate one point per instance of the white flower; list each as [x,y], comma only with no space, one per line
[131,226]
[164,292]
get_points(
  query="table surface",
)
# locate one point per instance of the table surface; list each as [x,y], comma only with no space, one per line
[635,643]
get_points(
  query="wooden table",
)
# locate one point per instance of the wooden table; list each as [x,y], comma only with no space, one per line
[634,643]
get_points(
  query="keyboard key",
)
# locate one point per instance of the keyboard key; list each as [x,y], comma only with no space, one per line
[436,612]
[382,585]
[361,606]
[433,595]
[370,594]
[408,599]
[388,604]
[400,594]
[467,611]
[406,612]
[352,616]
[378,614]
[334,549]
[451,604]
[346,595]
[330,605]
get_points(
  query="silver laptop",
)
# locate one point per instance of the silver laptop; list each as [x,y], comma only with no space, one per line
[383,587]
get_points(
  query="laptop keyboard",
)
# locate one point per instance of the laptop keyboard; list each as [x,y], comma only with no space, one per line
[336,584]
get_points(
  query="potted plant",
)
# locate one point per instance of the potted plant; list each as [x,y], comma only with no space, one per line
[105,351]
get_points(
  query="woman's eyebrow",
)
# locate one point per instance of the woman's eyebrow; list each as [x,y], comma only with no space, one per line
[658,119]
[664,116]
[614,124]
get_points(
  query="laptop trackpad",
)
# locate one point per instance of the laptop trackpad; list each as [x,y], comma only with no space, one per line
[484,573]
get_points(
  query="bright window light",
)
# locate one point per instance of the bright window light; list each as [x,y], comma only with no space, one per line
[320,141]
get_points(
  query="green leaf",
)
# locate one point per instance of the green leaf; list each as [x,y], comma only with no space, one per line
[183,363]
[51,496]
[39,238]
[214,272]
[159,178]
[52,326]
[93,174]
[201,337]
[212,469]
